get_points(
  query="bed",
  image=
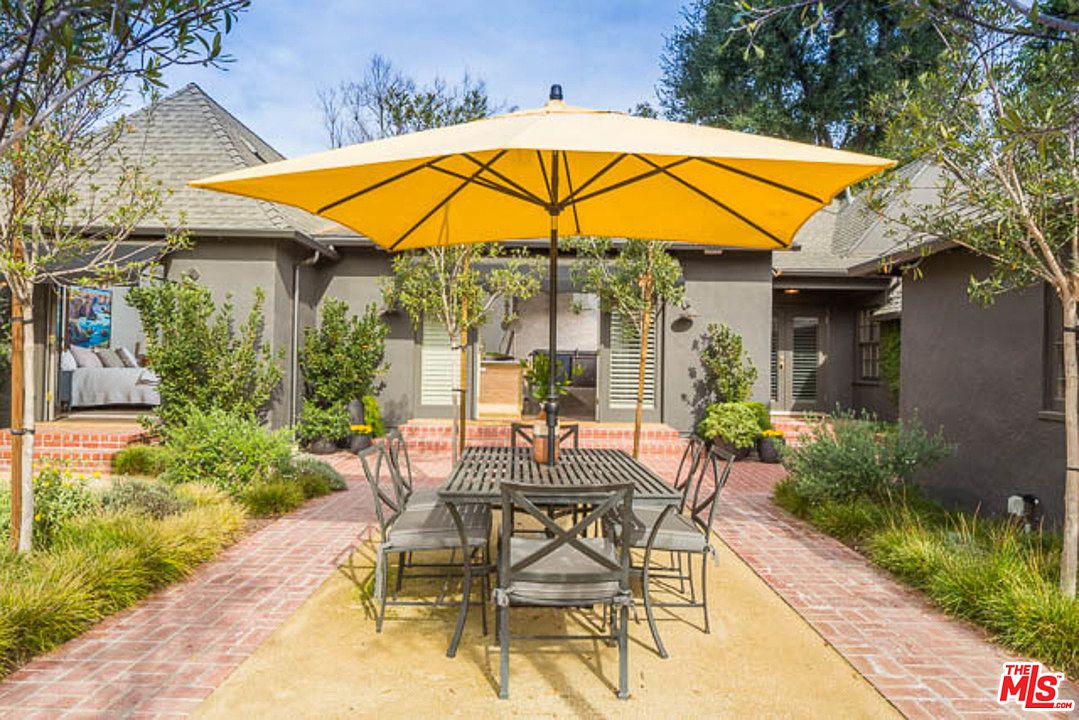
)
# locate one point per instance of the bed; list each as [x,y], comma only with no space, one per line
[94,387]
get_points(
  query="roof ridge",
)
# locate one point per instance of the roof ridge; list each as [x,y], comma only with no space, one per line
[213,112]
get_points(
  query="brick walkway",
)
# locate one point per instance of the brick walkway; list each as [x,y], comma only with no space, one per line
[161,658]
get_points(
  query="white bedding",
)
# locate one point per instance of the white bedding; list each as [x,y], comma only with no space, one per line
[113,386]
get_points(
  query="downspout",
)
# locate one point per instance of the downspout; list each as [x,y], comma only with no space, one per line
[294,384]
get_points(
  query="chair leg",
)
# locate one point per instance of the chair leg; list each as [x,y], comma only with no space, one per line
[689,577]
[504,660]
[676,561]
[485,590]
[623,652]
[704,591]
[400,573]
[648,612]
[466,595]
[381,573]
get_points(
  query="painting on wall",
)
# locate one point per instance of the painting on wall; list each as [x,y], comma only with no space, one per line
[89,317]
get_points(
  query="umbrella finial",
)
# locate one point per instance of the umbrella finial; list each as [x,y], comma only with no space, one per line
[556,92]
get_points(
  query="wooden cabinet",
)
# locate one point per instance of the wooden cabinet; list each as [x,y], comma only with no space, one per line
[501,388]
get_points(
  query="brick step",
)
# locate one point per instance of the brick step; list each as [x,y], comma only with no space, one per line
[82,449]
[438,436]
[792,427]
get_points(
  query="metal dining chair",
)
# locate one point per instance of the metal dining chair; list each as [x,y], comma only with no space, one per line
[406,530]
[525,433]
[397,453]
[685,530]
[567,569]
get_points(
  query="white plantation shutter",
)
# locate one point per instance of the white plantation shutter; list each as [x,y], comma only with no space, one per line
[806,359]
[439,364]
[625,358]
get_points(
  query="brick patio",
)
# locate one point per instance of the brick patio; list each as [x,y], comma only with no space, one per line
[161,658]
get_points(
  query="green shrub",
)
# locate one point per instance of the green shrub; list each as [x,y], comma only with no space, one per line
[201,494]
[275,497]
[311,466]
[225,450]
[141,460]
[890,353]
[144,497]
[735,422]
[59,497]
[203,358]
[5,518]
[97,565]
[372,415]
[764,418]
[846,457]
[313,485]
[318,423]
[728,370]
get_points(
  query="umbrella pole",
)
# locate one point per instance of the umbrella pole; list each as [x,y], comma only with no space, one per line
[552,343]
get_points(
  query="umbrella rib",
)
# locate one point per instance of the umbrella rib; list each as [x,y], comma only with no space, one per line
[468,181]
[569,184]
[546,180]
[491,185]
[758,178]
[380,183]
[600,173]
[509,181]
[714,201]
[656,170]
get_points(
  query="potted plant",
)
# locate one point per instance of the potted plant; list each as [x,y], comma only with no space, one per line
[366,423]
[537,375]
[768,445]
[730,426]
[320,429]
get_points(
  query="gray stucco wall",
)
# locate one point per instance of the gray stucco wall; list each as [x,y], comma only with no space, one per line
[978,373]
[734,288]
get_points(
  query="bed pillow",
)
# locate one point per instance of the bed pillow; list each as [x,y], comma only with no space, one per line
[67,361]
[127,357]
[110,359]
[85,357]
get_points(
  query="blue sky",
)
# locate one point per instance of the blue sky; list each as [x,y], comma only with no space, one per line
[605,54]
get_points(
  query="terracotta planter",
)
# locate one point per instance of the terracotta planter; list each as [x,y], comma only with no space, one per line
[539,444]
[768,449]
[739,453]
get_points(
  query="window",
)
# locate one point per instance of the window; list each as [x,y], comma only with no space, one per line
[1054,353]
[625,365]
[868,345]
[439,364]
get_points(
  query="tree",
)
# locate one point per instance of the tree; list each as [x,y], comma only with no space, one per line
[728,368]
[384,103]
[635,282]
[1000,118]
[452,284]
[51,52]
[809,82]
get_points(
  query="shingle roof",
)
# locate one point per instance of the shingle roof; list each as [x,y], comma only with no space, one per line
[849,233]
[187,135]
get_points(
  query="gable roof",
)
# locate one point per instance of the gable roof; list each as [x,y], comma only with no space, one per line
[848,235]
[186,135]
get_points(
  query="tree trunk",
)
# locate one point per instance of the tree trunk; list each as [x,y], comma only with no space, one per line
[25,448]
[642,366]
[1068,557]
[16,423]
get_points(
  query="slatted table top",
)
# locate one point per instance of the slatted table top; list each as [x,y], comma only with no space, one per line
[478,474]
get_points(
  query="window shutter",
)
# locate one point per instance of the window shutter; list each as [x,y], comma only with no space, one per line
[439,364]
[806,359]
[775,362]
[625,359]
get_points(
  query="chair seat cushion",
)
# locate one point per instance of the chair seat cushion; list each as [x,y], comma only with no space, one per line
[678,532]
[433,528]
[425,498]
[564,567]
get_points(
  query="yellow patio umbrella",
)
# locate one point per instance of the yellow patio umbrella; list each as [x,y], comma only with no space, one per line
[562,169]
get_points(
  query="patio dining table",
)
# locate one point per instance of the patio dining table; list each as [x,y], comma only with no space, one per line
[477,478]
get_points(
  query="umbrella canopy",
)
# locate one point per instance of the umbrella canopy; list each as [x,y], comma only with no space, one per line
[562,169]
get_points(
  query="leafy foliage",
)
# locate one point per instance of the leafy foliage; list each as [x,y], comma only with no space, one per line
[274,497]
[204,362]
[145,497]
[728,369]
[59,497]
[737,423]
[317,423]
[805,78]
[142,460]
[764,418]
[537,373]
[344,356]
[847,456]
[310,466]
[372,416]
[890,351]
[225,450]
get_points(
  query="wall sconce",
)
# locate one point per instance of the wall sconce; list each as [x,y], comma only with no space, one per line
[791,291]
